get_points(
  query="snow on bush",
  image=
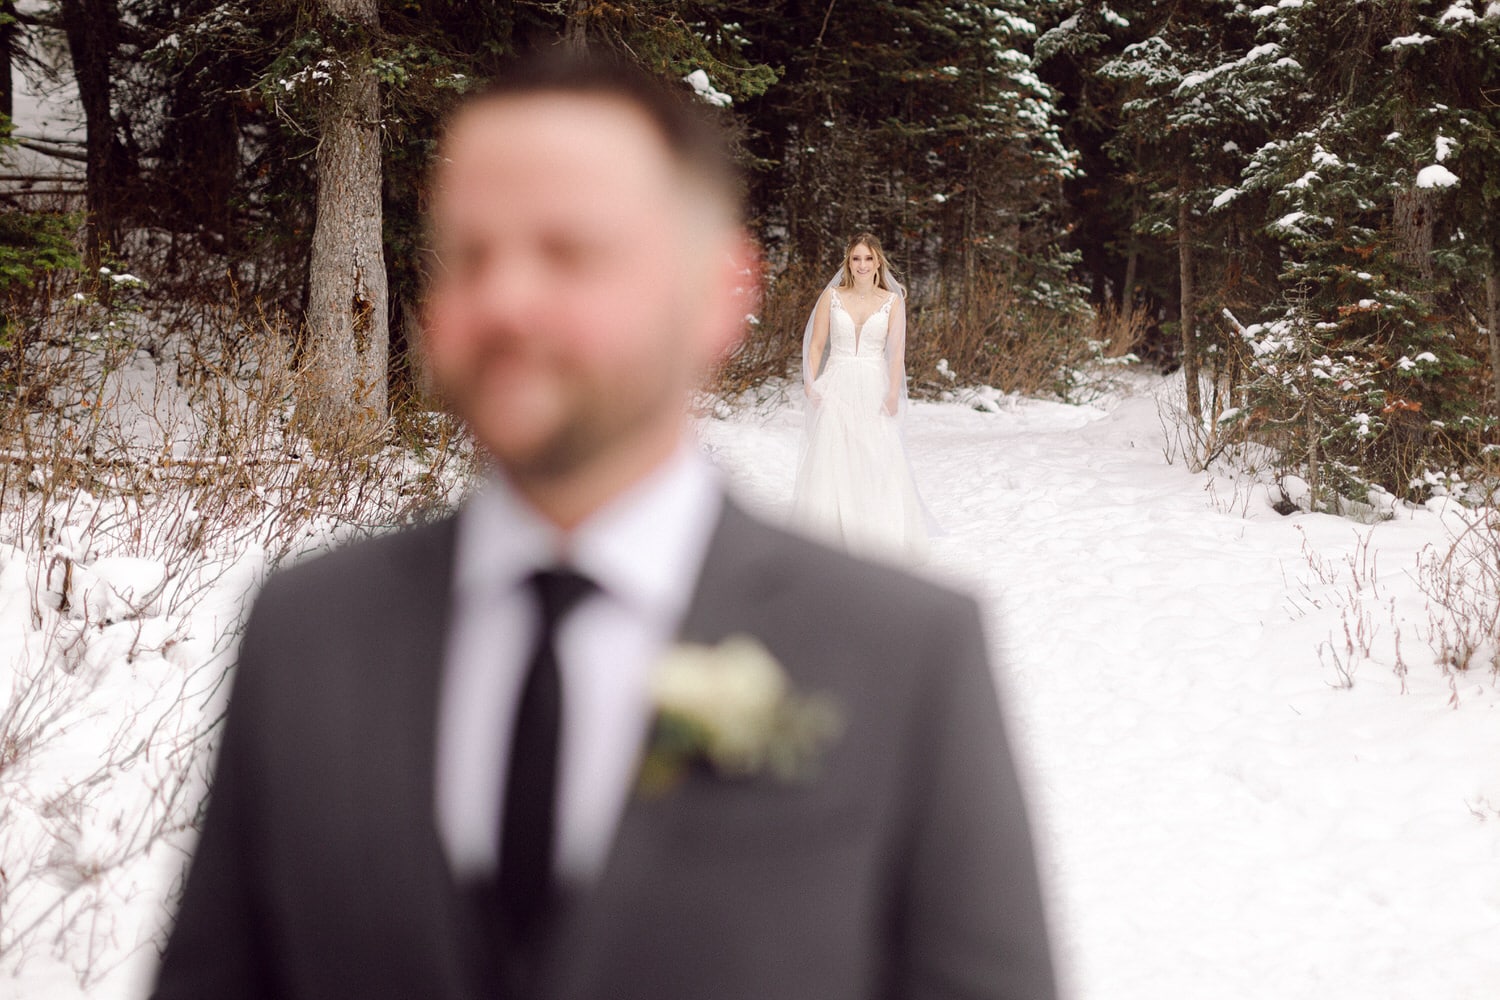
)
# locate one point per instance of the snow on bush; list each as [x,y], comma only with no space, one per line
[142,499]
[1436,176]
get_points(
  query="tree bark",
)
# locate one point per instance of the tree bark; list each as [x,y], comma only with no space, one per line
[1133,254]
[1412,214]
[1189,303]
[92,28]
[1414,219]
[1492,322]
[1127,294]
[10,33]
[1314,460]
[342,396]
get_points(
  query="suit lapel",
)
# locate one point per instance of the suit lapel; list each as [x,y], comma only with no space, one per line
[735,581]
[403,708]
[733,591]
[737,591]
[399,667]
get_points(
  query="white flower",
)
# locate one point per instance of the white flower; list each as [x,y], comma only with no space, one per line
[732,707]
[731,690]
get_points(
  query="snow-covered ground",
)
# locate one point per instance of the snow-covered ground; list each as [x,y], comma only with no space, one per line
[1221,814]
[1220,817]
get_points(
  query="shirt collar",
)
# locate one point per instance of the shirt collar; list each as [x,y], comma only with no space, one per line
[644,547]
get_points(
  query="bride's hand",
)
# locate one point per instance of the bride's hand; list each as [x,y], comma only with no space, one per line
[891,405]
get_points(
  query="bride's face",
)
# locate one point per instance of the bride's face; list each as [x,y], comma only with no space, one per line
[863,264]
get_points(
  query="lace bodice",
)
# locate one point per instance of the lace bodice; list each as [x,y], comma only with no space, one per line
[847,341]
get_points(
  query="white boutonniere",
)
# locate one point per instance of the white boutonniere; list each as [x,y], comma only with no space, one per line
[732,707]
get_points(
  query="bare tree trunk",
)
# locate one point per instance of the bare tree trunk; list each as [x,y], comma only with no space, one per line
[92,29]
[1411,210]
[972,301]
[1189,304]
[10,33]
[1414,218]
[1127,294]
[1314,460]
[342,399]
[1133,255]
[1492,322]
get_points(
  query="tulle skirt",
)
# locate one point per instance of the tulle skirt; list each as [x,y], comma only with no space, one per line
[855,486]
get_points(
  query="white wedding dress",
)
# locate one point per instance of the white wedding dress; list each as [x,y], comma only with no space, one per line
[855,486]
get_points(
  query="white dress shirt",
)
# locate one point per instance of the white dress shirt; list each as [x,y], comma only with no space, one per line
[644,550]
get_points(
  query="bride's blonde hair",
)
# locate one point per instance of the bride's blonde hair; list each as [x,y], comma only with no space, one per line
[882,266]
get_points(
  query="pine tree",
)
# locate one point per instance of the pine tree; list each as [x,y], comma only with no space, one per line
[926,124]
[1466,54]
[1361,195]
[93,29]
[244,129]
[1326,172]
[342,397]
[1182,118]
[31,245]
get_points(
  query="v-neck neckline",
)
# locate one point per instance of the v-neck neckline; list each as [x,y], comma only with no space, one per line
[859,328]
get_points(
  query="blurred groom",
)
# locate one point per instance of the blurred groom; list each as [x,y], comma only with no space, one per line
[430,783]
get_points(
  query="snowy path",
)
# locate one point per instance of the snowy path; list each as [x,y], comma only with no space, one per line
[1219,819]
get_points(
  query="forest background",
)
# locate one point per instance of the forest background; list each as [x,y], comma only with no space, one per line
[209,301]
[1298,203]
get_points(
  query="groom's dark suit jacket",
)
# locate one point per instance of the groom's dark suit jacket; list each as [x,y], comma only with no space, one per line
[904,870]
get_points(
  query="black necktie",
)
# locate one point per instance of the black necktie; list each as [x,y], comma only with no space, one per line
[529,820]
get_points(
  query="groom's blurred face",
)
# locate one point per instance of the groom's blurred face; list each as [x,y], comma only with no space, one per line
[584,282]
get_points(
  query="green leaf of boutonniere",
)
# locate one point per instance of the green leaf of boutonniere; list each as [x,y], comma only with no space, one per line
[731,706]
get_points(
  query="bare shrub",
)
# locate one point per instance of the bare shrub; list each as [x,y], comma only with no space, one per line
[147,482]
[772,348]
[1458,585]
[1117,334]
[1462,585]
[1353,584]
[1228,428]
[991,335]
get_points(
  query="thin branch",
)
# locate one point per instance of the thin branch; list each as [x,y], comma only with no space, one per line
[49,139]
[61,154]
[75,191]
[55,178]
[818,42]
[36,20]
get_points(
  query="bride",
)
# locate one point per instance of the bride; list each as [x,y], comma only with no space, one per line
[854,484]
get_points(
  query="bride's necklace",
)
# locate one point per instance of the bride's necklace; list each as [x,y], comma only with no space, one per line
[865,302]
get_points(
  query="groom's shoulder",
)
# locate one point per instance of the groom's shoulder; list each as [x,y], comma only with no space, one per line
[868,630]
[824,574]
[358,568]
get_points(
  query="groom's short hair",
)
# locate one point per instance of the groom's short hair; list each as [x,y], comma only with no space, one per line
[696,140]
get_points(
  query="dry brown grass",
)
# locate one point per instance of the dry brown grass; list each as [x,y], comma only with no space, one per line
[991,336]
[1116,335]
[773,343]
[176,451]
[1463,588]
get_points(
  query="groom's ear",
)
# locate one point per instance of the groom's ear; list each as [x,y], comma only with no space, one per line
[736,278]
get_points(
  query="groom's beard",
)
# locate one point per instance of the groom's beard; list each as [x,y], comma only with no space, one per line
[545,418]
